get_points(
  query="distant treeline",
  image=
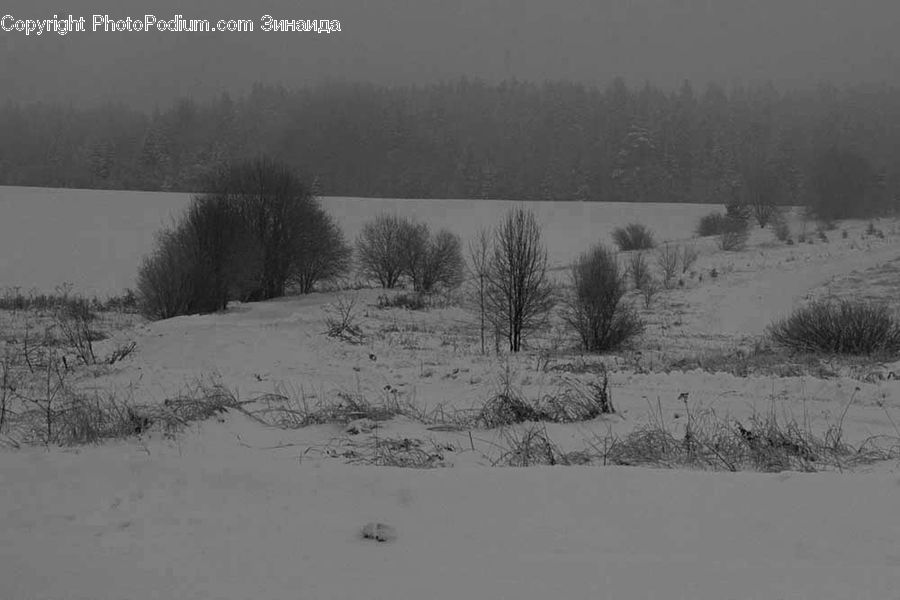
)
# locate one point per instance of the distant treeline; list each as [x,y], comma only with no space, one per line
[469,139]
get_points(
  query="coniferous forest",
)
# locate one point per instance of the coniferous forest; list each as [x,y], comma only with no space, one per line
[471,139]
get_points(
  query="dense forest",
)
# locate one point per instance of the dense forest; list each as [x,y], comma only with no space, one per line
[469,139]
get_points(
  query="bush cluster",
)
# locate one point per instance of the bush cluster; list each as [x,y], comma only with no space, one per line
[391,247]
[595,309]
[843,327]
[734,234]
[258,231]
[633,236]
[711,224]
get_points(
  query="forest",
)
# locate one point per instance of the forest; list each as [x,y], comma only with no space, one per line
[472,139]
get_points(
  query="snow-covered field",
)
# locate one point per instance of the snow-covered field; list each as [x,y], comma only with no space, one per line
[95,239]
[233,508]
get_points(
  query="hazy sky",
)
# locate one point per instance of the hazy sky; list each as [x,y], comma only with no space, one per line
[793,43]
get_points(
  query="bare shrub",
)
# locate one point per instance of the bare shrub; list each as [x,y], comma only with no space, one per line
[380,248]
[520,293]
[256,230]
[413,248]
[435,260]
[190,269]
[633,236]
[711,224]
[739,210]
[341,319]
[689,255]
[282,216]
[648,290]
[843,327]
[871,230]
[734,235]
[9,381]
[479,262]
[780,227]
[667,261]
[74,321]
[48,394]
[760,191]
[763,210]
[165,280]
[322,256]
[220,253]
[391,247]
[637,267]
[594,308]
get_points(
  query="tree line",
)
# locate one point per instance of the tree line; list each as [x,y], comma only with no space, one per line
[470,139]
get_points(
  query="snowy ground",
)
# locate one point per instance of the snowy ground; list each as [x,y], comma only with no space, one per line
[234,509]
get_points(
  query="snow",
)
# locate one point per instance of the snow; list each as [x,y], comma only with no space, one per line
[234,509]
[212,518]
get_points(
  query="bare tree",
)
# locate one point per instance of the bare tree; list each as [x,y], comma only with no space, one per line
[391,247]
[257,228]
[734,234]
[413,249]
[594,308]
[379,250]
[279,210]
[479,262]
[760,191]
[689,255]
[225,256]
[441,263]
[648,290]
[520,293]
[637,266]
[667,260]
[324,254]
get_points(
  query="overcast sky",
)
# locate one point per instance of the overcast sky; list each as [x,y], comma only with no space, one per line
[793,43]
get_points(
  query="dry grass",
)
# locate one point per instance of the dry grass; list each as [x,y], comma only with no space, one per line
[532,446]
[764,442]
[71,418]
[705,441]
[292,409]
[575,402]
[408,301]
